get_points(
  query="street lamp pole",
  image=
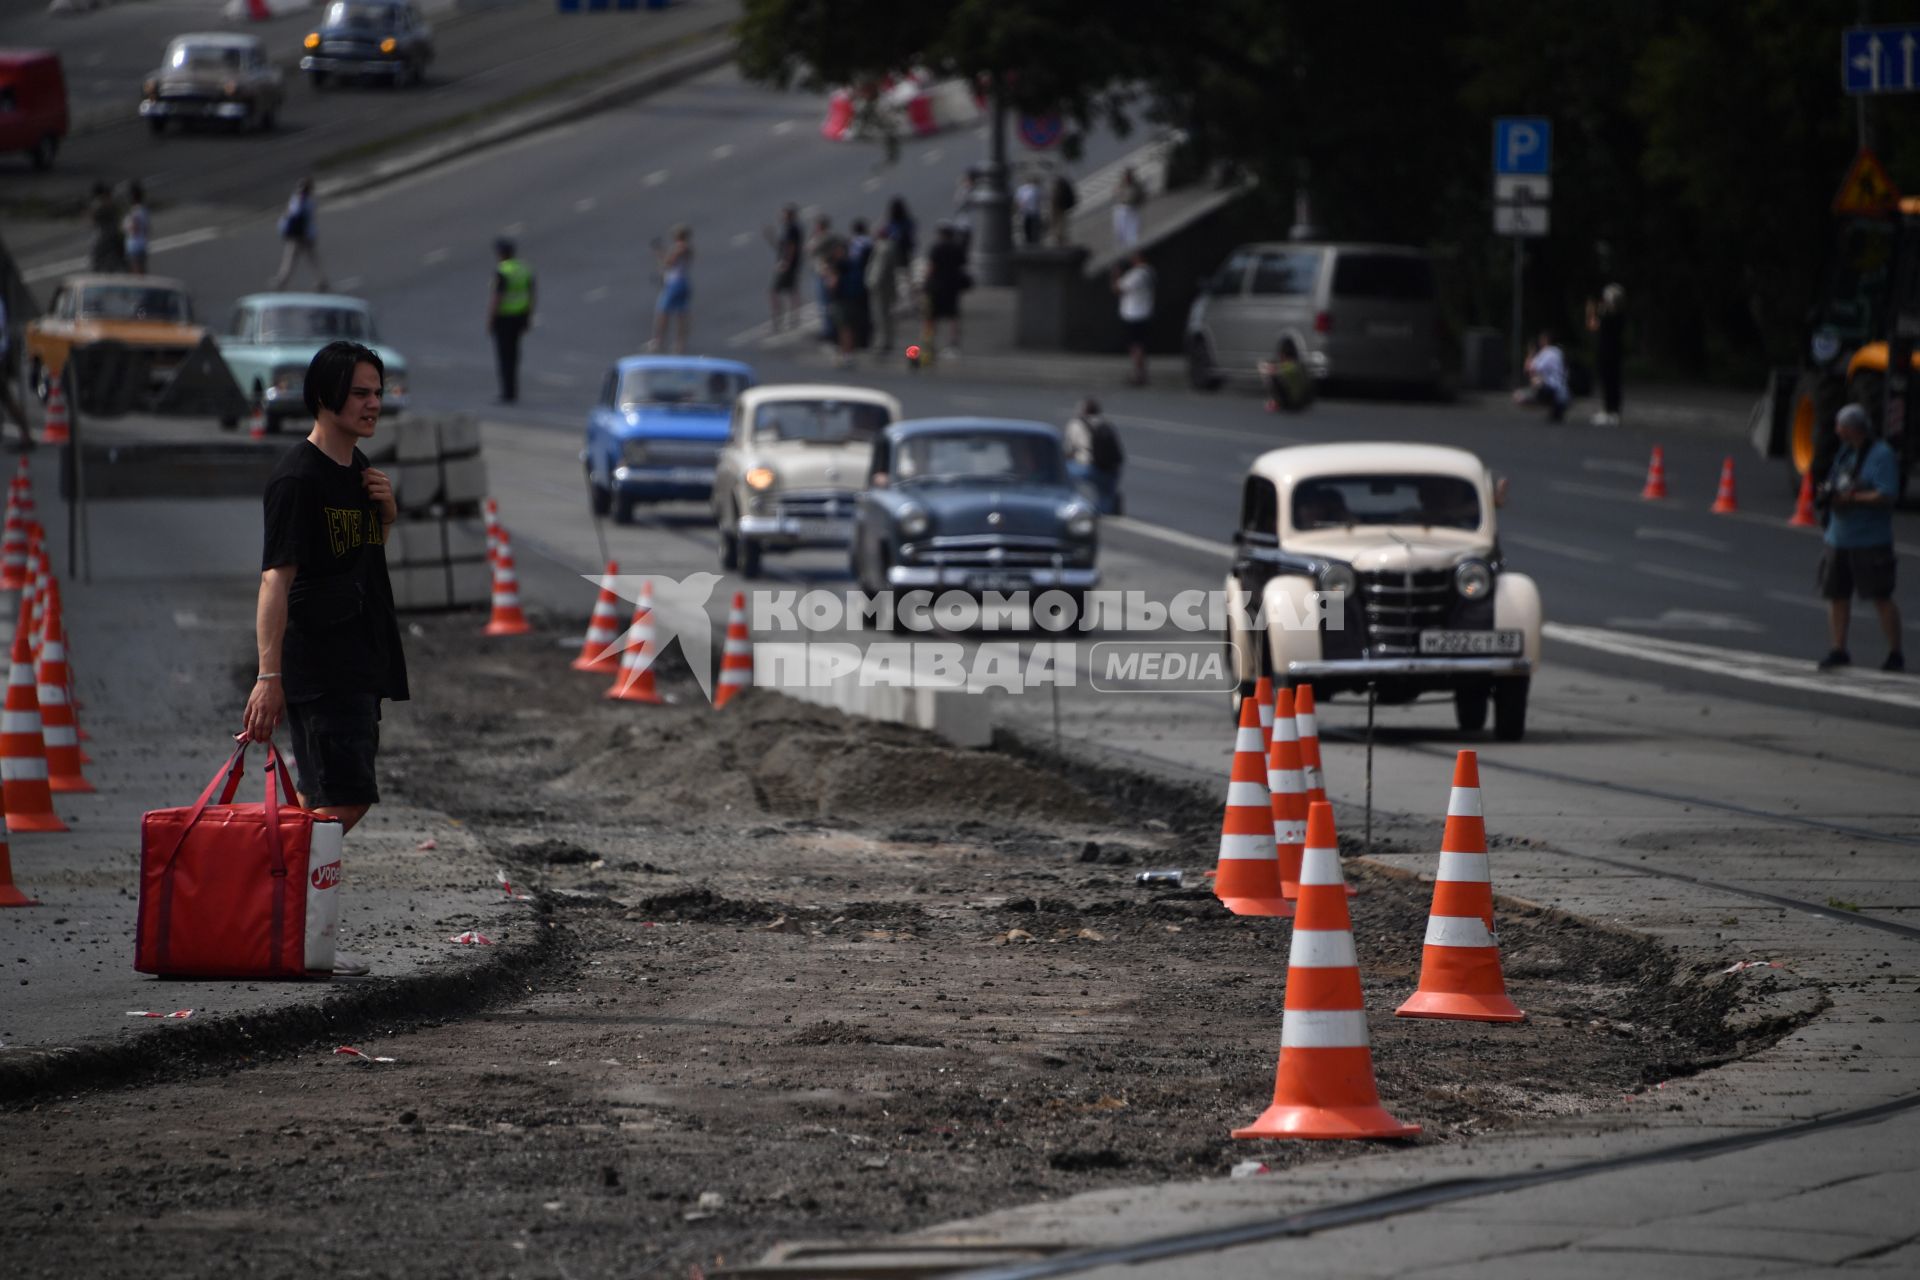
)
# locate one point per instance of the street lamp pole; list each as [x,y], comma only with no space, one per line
[992,256]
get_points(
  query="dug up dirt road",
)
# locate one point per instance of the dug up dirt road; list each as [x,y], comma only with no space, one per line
[808,977]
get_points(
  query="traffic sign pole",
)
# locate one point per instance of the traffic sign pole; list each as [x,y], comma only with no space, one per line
[1522,160]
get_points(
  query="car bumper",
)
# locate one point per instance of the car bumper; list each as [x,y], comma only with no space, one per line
[967,579]
[663,482]
[796,531]
[165,109]
[353,66]
[1361,671]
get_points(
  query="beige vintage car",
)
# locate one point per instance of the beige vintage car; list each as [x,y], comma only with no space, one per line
[223,77]
[1417,599]
[794,463]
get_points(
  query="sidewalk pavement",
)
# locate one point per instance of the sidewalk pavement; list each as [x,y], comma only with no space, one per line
[182,578]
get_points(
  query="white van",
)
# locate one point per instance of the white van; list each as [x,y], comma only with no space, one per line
[1356,312]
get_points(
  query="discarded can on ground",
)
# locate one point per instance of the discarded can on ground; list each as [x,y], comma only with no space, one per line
[1174,878]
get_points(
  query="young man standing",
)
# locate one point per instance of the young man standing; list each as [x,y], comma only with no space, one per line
[1862,488]
[328,636]
[1135,288]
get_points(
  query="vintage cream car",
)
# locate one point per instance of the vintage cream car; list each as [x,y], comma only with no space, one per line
[1404,533]
[792,468]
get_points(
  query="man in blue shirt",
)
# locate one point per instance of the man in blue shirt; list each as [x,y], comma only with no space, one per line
[1861,489]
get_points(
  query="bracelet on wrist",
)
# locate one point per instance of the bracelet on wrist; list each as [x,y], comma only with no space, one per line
[266,675]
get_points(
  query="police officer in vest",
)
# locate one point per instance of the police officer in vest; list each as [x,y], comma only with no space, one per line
[508,316]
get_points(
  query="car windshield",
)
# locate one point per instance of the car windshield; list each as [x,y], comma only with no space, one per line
[1337,502]
[297,324]
[135,302]
[1394,277]
[706,387]
[203,57]
[819,421]
[362,17]
[1020,457]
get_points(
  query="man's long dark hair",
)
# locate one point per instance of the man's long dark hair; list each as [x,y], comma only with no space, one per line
[330,376]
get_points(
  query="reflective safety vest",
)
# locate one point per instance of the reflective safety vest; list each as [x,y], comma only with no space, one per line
[516,288]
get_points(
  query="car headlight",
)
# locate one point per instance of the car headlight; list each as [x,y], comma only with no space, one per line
[1335,576]
[389,45]
[312,41]
[1472,579]
[914,520]
[760,477]
[634,453]
[1078,517]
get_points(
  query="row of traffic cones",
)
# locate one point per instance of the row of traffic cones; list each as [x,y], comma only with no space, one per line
[40,735]
[1726,500]
[628,656]
[1279,856]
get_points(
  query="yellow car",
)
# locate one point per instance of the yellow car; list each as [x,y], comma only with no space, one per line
[148,312]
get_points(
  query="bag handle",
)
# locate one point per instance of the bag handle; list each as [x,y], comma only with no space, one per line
[230,774]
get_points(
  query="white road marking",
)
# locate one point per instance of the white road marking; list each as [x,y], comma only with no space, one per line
[802,322]
[722,151]
[1804,601]
[436,256]
[785,127]
[1688,620]
[655,178]
[596,294]
[346,284]
[1613,467]
[1189,541]
[1574,490]
[162,244]
[742,239]
[1672,574]
[1155,464]
[872,184]
[1585,555]
[1700,541]
[585,204]
[934,155]
[1760,668]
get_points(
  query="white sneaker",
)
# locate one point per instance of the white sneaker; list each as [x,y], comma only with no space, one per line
[346,966]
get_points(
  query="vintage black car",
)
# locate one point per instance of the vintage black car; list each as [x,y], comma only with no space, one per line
[369,39]
[975,505]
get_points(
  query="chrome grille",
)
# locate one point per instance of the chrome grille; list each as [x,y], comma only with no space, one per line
[1399,606]
[817,505]
[681,453]
[976,551]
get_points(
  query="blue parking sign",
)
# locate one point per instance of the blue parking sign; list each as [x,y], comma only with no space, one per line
[1522,144]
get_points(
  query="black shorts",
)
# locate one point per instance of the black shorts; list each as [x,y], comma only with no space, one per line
[1863,571]
[1137,332]
[786,281]
[335,738]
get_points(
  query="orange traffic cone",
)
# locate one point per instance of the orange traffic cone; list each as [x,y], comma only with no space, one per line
[635,683]
[23,753]
[1460,968]
[1656,476]
[597,651]
[1324,1087]
[1247,881]
[13,544]
[1804,516]
[257,421]
[10,895]
[1263,696]
[56,430]
[507,618]
[1723,501]
[1287,783]
[1308,725]
[736,658]
[57,727]
[492,510]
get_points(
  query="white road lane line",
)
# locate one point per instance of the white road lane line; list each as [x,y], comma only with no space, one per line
[722,151]
[585,204]
[347,284]
[933,155]
[742,239]
[1808,601]
[872,184]
[655,178]
[596,294]
[1681,575]
[1586,555]
[1699,541]
[785,127]
[1573,490]
[514,229]
[433,257]
[1760,668]
[1175,537]
[162,244]
[802,322]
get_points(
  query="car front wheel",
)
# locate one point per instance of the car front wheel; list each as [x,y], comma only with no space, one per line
[1510,708]
[729,549]
[749,558]
[622,508]
[1470,707]
[599,497]
[1201,373]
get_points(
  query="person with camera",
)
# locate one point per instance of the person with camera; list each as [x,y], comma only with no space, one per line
[1858,497]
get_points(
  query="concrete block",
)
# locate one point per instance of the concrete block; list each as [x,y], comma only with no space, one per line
[416,485]
[459,435]
[465,480]
[469,582]
[807,673]
[416,440]
[419,586]
[464,538]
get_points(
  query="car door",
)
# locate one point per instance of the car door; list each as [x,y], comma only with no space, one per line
[603,446]
[1225,304]
[1280,299]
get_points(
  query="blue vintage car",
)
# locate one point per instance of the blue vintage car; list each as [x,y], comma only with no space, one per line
[273,337]
[973,504]
[655,433]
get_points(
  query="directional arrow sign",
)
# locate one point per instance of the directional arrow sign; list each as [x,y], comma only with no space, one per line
[1880,60]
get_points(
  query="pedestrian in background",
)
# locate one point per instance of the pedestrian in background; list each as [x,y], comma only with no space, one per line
[947,279]
[1127,199]
[1606,321]
[137,229]
[853,281]
[1094,456]
[1546,378]
[1061,197]
[905,236]
[1134,285]
[883,286]
[109,251]
[823,255]
[325,626]
[784,297]
[962,220]
[676,291]
[299,237]
[1289,386]
[1026,201]
[1860,491]
[509,315]
[842,300]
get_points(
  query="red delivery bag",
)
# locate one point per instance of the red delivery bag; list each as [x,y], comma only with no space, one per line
[239,890]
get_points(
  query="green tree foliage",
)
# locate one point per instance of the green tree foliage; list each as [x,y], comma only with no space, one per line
[1697,147]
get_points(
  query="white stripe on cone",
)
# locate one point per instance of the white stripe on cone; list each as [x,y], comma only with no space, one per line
[1458,931]
[1464,802]
[22,768]
[1242,847]
[1246,795]
[1322,949]
[19,722]
[1248,741]
[1463,867]
[1320,866]
[1323,1029]
[1290,832]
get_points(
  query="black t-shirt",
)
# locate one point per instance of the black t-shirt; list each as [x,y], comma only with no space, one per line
[343,635]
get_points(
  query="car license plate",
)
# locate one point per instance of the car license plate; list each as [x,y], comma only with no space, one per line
[816,527]
[1472,643]
[995,582]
